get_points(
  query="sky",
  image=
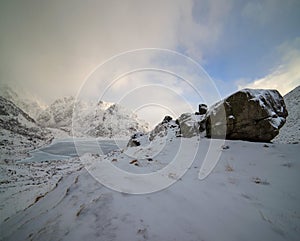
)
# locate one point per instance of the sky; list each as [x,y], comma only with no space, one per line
[52,48]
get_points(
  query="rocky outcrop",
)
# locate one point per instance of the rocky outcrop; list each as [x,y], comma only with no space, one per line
[190,124]
[252,115]
[167,126]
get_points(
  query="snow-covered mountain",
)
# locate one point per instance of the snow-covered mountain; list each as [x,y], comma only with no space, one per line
[19,133]
[290,132]
[102,119]
[30,105]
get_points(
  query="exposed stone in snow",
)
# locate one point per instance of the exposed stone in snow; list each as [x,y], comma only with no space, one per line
[253,115]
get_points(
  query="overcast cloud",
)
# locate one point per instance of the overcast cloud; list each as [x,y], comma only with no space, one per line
[49,48]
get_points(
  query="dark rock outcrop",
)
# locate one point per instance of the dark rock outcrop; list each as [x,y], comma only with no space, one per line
[202,109]
[135,140]
[167,119]
[252,115]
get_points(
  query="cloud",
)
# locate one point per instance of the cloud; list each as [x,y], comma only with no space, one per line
[171,83]
[284,77]
[264,12]
[201,27]
[50,47]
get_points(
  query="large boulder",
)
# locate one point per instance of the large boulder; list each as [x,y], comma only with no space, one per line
[252,115]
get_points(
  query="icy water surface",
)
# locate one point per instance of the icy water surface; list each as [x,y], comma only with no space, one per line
[66,148]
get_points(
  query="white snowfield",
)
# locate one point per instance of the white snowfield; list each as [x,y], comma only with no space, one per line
[252,194]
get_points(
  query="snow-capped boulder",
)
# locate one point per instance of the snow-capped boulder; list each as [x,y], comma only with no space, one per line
[252,115]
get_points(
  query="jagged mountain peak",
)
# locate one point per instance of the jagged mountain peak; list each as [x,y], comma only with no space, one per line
[90,118]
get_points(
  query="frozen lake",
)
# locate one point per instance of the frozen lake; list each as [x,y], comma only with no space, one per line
[61,149]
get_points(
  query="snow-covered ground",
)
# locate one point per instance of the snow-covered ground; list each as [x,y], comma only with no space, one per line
[252,194]
[22,184]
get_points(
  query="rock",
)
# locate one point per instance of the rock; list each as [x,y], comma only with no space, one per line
[167,119]
[135,140]
[251,115]
[189,125]
[202,109]
[167,126]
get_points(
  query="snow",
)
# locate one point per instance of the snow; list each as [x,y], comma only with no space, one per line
[290,132]
[82,118]
[91,119]
[22,183]
[25,101]
[18,133]
[252,194]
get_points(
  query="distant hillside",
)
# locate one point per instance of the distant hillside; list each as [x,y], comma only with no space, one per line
[91,119]
[19,133]
[24,101]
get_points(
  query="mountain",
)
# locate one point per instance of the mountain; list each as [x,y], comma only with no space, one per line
[102,119]
[24,101]
[290,132]
[19,133]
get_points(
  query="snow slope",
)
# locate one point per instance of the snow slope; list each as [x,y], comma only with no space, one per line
[252,194]
[23,183]
[290,132]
